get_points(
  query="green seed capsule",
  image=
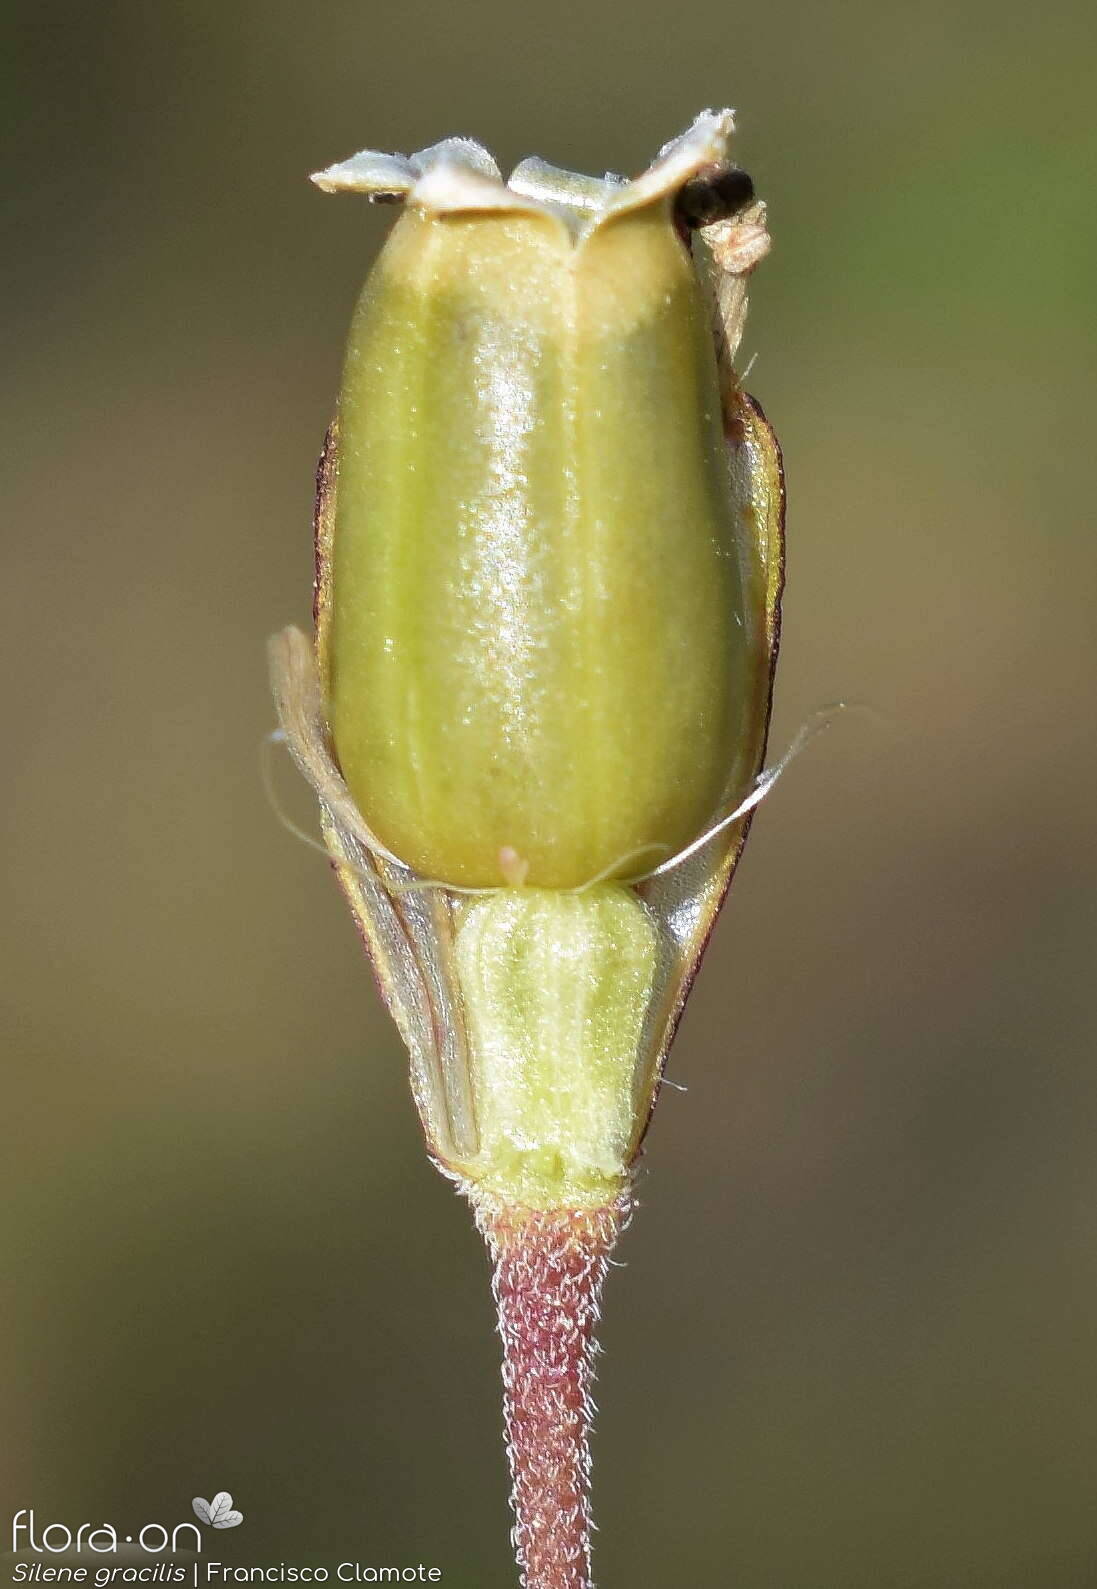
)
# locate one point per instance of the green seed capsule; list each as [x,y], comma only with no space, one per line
[540,661]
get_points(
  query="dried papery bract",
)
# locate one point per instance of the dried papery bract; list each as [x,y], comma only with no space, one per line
[549,567]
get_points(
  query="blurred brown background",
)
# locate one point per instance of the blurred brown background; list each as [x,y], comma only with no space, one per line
[855,1343]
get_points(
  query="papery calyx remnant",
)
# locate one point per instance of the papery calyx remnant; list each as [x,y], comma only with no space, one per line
[549,555]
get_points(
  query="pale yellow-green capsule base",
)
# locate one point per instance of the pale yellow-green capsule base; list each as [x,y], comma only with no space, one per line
[555,989]
[538,646]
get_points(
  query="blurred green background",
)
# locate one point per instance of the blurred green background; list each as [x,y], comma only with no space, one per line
[854,1345]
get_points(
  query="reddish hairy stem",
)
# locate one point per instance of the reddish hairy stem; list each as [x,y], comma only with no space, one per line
[550,1266]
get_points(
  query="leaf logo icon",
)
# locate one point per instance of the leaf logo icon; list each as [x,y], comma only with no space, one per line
[219,1512]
